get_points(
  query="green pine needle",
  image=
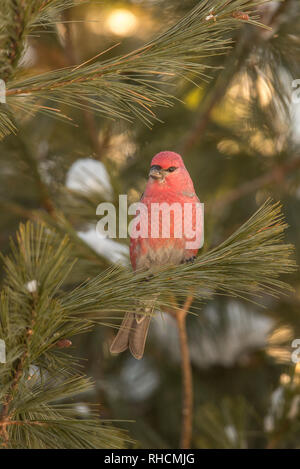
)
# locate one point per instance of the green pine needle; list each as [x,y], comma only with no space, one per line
[248,265]
[136,84]
[37,373]
[36,313]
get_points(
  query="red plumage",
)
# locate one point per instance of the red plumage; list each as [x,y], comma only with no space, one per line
[170,183]
[177,187]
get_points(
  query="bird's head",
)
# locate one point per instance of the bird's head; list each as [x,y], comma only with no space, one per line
[167,168]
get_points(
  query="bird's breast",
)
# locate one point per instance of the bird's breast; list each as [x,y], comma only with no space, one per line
[163,239]
[151,253]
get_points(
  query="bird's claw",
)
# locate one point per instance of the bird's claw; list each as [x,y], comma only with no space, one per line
[190,260]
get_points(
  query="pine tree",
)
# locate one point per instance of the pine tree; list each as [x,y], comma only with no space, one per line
[215,76]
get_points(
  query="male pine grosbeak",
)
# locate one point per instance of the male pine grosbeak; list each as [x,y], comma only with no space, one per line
[169,182]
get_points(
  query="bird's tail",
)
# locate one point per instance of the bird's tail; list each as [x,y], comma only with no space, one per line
[132,334]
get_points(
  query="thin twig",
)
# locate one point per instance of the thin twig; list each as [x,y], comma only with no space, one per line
[187,378]
[22,422]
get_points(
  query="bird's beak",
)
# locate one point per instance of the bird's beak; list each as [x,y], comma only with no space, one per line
[157,173]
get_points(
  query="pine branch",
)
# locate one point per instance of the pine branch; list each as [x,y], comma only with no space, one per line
[17,375]
[36,314]
[19,18]
[38,373]
[11,31]
[247,265]
[129,86]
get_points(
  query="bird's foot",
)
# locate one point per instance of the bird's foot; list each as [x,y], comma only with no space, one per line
[148,278]
[190,260]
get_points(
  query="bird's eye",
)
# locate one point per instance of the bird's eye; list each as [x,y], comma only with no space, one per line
[171,169]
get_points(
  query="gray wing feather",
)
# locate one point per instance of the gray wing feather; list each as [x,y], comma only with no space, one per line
[121,341]
[134,329]
[137,338]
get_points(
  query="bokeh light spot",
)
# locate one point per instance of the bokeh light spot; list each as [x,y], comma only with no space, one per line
[122,22]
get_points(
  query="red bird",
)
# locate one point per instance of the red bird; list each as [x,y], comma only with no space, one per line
[169,183]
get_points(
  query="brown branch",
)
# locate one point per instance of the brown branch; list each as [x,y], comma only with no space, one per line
[187,378]
[22,422]
[92,75]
